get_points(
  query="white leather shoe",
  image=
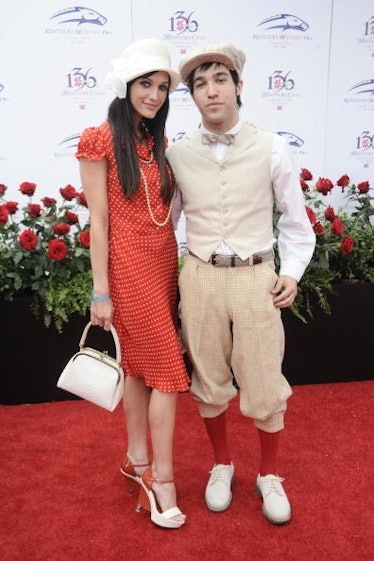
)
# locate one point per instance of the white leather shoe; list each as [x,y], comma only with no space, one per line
[276,507]
[218,490]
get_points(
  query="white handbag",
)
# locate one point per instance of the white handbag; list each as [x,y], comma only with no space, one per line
[94,375]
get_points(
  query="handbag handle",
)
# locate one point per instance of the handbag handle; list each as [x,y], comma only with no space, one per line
[114,335]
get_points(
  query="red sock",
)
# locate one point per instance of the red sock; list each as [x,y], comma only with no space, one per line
[269,449]
[216,429]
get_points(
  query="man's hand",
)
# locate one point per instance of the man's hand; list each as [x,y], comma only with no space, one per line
[284,291]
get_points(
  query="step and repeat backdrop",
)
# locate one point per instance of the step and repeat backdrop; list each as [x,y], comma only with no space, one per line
[309,77]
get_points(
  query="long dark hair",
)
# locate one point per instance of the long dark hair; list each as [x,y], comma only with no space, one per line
[121,120]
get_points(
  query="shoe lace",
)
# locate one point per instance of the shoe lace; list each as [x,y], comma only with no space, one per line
[273,485]
[221,473]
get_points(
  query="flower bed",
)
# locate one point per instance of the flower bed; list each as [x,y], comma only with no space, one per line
[344,252]
[44,252]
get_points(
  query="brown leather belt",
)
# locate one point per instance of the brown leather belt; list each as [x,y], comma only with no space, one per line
[220,260]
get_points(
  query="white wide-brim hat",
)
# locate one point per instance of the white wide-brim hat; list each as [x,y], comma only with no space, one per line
[139,58]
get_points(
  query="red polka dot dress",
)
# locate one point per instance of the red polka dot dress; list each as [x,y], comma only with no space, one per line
[142,268]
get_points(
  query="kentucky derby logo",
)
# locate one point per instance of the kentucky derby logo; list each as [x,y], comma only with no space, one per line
[280,89]
[77,24]
[366,87]
[282,30]
[291,138]
[369,27]
[364,148]
[78,79]
[284,23]
[365,141]
[181,23]
[2,88]
[366,40]
[70,142]
[362,95]
[181,89]
[183,31]
[278,81]
[80,16]
[81,87]
[181,98]
[68,145]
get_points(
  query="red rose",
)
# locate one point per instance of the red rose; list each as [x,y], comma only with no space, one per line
[34,210]
[306,174]
[84,238]
[27,188]
[337,227]
[319,229]
[12,207]
[28,239]
[324,185]
[4,214]
[71,217]
[82,199]
[61,228]
[57,250]
[311,215]
[3,188]
[343,181]
[329,213]
[347,245]
[363,187]
[304,185]
[69,192]
[48,202]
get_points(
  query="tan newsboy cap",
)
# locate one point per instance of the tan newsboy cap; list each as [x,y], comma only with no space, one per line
[224,53]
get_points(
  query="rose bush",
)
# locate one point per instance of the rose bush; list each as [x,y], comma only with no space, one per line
[44,252]
[344,250]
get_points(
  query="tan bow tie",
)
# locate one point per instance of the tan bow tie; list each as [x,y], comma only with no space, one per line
[210,138]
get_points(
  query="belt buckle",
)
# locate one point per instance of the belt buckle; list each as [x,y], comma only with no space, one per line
[226,261]
[254,259]
[214,260]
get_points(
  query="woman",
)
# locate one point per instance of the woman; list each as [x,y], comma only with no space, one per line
[129,188]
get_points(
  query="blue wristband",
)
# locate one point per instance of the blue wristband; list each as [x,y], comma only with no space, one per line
[105,298]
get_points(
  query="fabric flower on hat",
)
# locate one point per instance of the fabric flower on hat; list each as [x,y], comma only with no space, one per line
[116,79]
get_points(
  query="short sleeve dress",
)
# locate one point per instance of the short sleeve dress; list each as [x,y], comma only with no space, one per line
[142,268]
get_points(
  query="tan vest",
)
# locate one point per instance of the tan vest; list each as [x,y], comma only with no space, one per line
[230,201]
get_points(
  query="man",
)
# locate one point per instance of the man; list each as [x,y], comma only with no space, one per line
[230,293]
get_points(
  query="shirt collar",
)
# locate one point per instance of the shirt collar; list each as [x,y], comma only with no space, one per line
[234,130]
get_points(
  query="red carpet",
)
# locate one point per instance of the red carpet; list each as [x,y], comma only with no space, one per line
[63,499]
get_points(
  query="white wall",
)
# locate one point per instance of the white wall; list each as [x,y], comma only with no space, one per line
[309,75]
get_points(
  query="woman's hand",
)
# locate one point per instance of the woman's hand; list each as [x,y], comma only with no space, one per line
[102,314]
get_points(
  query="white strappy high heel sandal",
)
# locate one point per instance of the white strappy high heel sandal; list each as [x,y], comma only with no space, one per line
[148,501]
